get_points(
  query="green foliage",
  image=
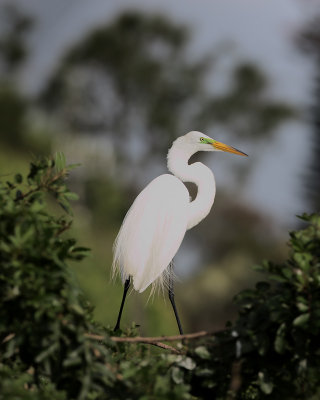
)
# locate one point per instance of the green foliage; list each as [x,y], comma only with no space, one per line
[43,318]
[16,385]
[45,351]
[50,348]
[274,341]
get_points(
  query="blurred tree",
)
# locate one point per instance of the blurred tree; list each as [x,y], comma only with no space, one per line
[14,28]
[244,109]
[309,41]
[12,116]
[12,53]
[129,78]
[16,131]
[132,79]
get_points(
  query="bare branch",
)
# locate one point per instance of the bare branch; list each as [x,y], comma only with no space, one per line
[175,338]
[163,346]
[154,339]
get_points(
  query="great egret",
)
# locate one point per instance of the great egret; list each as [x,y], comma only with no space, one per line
[158,219]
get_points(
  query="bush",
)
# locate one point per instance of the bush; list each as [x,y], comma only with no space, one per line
[43,317]
[274,344]
[50,347]
[44,320]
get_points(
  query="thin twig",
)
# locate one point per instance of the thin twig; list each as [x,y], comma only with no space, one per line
[94,337]
[23,196]
[175,338]
[163,346]
[42,185]
[8,337]
[155,341]
[143,339]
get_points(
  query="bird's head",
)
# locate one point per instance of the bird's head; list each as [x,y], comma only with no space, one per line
[201,142]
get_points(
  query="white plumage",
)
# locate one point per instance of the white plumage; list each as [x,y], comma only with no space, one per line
[157,221]
[152,231]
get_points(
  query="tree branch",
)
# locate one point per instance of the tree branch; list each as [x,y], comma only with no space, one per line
[175,338]
[163,346]
[154,339]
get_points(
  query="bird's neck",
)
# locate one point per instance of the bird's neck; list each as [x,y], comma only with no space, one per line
[196,173]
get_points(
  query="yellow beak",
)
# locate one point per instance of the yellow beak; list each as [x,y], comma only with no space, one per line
[229,149]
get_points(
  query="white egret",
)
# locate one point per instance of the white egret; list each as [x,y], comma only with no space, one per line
[158,219]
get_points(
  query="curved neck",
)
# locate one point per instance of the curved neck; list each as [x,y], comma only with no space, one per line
[196,173]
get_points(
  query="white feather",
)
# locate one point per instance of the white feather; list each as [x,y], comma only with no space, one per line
[152,232]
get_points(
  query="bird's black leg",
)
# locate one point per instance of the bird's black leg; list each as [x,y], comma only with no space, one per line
[125,290]
[171,297]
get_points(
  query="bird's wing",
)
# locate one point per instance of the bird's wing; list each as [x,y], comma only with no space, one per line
[152,231]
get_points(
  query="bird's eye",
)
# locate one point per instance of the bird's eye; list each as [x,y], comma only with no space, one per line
[202,139]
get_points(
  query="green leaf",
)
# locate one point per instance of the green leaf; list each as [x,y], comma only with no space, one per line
[71,196]
[64,204]
[202,352]
[280,343]
[177,375]
[266,385]
[60,161]
[47,352]
[303,260]
[187,363]
[287,272]
[206,372]
[258,268]
[301,320]
[78,309]
[302,307]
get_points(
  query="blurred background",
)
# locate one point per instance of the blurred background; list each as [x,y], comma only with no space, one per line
[112,84]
